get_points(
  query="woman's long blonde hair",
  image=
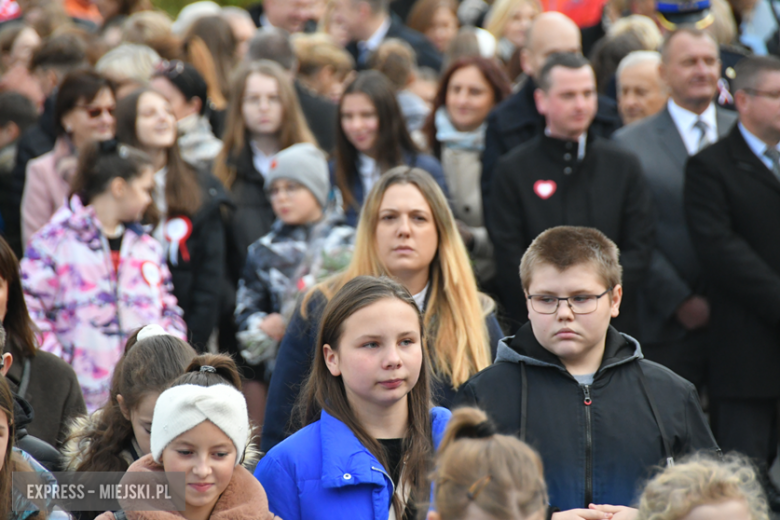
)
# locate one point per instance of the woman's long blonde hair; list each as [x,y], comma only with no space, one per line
[454,319]
[294,128]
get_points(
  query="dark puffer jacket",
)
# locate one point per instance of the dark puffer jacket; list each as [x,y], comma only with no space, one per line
[598,442]
[198,281]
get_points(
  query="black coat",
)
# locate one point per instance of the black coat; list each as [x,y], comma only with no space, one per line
[40,450]
[34,142]
[605,190]
[198,283]
[320,114]
[732,203]
[427,54]
[516,120]
[602,451]
[253,215]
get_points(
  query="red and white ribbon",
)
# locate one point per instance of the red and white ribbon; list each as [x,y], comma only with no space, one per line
[177,231]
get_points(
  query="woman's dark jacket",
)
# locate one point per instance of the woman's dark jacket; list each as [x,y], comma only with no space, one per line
[423,161]
[599,442]
[198,284]
[253,215]
[295,359]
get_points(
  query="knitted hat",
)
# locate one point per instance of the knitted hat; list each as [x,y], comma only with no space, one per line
[181,408]
[305,164]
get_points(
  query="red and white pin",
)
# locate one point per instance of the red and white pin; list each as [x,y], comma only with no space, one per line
[177,231]
[545,189]
[151,273]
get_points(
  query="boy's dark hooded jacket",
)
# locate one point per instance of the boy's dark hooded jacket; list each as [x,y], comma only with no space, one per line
[600,442]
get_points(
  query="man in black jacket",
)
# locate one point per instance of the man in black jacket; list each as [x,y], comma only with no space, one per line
[369,22]
[566,176]
[516,120]
[579,391]
[732,202]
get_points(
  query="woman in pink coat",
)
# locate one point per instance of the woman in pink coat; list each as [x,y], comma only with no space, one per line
[83,112]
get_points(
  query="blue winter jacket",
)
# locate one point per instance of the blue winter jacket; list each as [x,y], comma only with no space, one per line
[323,472]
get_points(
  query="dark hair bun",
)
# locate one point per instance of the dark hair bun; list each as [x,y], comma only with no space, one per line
[221,370]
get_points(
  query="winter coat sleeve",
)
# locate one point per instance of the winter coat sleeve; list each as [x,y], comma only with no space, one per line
[37,206]
[293,362]
[494,149]
[73,407]
[207,279]
[253,301]
[664,286]
[724,255]
[699,436]
[508,235]
[41,285]
[281,488]
[171,316]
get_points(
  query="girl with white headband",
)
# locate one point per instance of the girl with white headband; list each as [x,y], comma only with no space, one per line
[201,428]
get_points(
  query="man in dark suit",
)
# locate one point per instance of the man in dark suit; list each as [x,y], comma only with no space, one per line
[569,176]
[369,22]
[673,311]
[732,202]
[516,120]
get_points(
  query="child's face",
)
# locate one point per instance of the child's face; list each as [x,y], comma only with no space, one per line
[293,203]
[577,339]
[135,195]
[379,355]
[141,420]
[207,457]
[262,106]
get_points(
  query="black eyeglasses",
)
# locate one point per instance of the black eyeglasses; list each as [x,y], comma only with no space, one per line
[579,304]
[95,112]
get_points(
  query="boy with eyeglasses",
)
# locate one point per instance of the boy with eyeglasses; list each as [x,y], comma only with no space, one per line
[579,391]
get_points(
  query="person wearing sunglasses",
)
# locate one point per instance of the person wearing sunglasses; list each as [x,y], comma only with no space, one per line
[83,112]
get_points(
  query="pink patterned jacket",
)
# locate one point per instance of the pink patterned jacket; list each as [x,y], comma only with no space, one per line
[84,309]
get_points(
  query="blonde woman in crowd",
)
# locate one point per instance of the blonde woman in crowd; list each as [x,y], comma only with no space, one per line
[324,67]
[508,21]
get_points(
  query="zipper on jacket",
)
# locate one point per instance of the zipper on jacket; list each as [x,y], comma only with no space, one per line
[383,472]
[588,447]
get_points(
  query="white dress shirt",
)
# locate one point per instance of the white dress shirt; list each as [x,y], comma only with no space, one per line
[369,172]
[261,161]
[685,121]
[756,145]
[371,44]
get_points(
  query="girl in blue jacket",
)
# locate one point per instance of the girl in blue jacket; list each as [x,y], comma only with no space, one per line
[370,436]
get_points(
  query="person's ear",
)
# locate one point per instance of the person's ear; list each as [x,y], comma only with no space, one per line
[525,62]
[433,515]
[68,120]
[118,187]
[662,71]
[8,361]
[617,297]
[195,104]
[123,406]
[12,130]
[331,360]
[540,97]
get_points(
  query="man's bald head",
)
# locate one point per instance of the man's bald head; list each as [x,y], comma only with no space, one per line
[551,33]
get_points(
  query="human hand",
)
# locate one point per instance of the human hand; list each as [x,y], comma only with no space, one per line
[108,515]
[274,326]
[582,514]
[618,512]
[465,234]
[694,313]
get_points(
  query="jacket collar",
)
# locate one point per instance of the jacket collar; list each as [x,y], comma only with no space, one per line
[523,347]
[83,221]
[747,161]
[345,461]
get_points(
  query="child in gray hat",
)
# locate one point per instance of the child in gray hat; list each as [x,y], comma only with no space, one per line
[308,242]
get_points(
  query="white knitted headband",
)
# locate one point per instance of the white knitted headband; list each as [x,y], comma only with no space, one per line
[181,408]
[150,331]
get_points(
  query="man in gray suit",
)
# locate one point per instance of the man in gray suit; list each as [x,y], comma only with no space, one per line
[673,309]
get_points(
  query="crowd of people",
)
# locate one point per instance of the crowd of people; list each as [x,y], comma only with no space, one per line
[403,259]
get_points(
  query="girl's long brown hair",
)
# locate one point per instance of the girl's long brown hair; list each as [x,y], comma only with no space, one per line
[147,366]
[323,391]
[182,189]
[19,328]
[7,407]
[294,128]
[393,139]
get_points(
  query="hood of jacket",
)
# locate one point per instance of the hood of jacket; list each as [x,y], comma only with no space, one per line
[83,220]
[243,498]
[524,348]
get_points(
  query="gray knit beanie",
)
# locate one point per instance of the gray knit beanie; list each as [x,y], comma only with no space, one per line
[305,164]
